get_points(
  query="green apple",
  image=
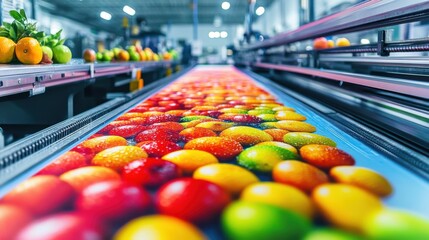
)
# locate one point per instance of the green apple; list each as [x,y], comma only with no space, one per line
[263,158]
[331,234]
[134,56]
[250,220]
[116,52]
[389,224]
[107,56]
[99,56]
[62,54]
[48,51]
[131,49]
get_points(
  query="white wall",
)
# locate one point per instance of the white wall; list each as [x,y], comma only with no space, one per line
[282,15]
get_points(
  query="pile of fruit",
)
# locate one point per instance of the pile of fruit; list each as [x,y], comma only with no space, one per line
[21,42]
[211,156]
[131,53]
[323,43]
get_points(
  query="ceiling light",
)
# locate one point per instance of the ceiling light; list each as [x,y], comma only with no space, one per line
[364,41]
[226,5]
[129,10]
[211,34]
[105,15]
[223,34]
[216,34]
[259,11]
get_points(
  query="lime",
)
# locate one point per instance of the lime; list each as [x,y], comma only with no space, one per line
[251,220]
[331,234]
[62,54]
[48,51]
[389,224]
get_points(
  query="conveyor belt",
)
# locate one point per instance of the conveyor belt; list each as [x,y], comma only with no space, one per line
[410,191]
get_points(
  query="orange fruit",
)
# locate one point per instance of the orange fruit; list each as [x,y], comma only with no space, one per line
[299,174]
[123,56]
[82,177]
[189,160]
[362,178]
[324,156]
[228,176]
[29,51]
[320,43]
[277,134]
[346,206]
[246,135]
[117,157]
[331,44]
[225,149]
[280,195]
[99,144]
[7,50]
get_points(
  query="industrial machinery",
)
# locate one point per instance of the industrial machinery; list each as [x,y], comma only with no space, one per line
[369,100]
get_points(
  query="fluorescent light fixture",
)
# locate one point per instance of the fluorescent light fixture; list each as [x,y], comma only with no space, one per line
[211,34]
[223,34]
[129,10]
[226,5]
[105,15]
[260,10]
[364,41]
[216,34]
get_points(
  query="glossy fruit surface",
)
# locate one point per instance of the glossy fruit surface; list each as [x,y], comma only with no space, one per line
[117,157]
[320,43]
[251,220]
[362,177]
[113,200]
[29,51]
[391,224]
[263,158]
[82,177]
[224,149]
[158,227]
[299,174]
[190,199]
[150,172]
[280,195]
[101,143]
[331,234]
[246,135]
[7,50]
[230,177]
[324,156]
[300,139]
[345,206]
[68,161]
[190,160]
[62,54]
[36,194]
[64,226]
[158,148]
[15,218]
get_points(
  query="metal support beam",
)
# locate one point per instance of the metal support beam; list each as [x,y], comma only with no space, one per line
[195,18]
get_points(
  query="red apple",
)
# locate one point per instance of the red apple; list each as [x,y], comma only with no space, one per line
[41,194]
[85,151]
[127,131]
[68,161]
[193,200]
[158,148]
[113,200]
[158,134]
[150,172]
[89,55]
[13,219]
[64,226]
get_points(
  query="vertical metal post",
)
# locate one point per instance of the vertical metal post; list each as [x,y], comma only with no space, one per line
[33,9]
[1,9]
[195,18]
[249,20]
